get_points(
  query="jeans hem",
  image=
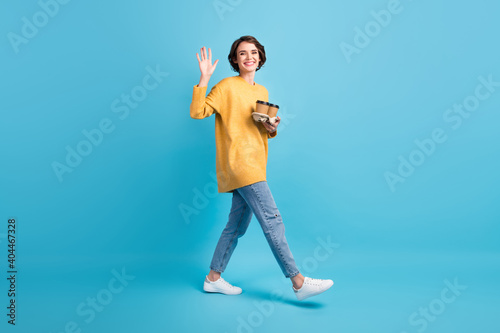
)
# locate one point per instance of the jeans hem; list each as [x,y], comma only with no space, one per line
[216,270]
[292,275]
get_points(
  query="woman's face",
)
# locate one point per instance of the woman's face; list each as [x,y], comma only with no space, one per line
[247,57]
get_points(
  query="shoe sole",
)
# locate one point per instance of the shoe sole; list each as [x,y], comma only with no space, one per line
[210,289]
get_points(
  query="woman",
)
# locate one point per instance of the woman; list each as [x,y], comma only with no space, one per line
[241,159]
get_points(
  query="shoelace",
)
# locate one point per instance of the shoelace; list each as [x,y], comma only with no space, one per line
[315,282]
[226,283]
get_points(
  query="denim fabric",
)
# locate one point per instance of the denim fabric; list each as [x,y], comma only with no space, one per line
[248,200]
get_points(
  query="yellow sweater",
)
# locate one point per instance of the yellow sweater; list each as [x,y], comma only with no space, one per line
[241,143]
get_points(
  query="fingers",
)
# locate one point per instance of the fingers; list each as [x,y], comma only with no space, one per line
[269,127]
[209,55]
[197,56]
[202,53]
[215,63]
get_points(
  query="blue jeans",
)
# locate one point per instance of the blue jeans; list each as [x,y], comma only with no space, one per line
[257,199]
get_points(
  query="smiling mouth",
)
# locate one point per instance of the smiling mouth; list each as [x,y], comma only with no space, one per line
[249,63]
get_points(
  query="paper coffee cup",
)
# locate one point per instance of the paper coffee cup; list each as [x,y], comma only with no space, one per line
[262,107]
[273,110]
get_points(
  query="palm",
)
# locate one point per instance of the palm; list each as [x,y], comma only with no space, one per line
[206,67]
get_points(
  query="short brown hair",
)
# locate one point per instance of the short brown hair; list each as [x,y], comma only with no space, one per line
[250,39]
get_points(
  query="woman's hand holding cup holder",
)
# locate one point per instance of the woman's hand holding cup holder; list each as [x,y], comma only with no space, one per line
[265,113]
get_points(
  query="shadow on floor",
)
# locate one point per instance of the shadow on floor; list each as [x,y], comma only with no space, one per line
[276,296]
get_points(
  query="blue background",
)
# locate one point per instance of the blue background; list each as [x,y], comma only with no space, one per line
[346,120]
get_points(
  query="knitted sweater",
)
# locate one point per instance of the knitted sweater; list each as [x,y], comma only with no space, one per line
[241,143]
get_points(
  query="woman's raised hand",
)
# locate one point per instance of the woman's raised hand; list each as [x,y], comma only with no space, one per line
[206,67]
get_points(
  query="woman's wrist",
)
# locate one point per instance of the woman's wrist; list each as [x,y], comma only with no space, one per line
[204,80]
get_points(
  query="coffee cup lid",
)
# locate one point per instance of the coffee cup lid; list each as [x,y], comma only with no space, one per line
[262,102]
[274,105]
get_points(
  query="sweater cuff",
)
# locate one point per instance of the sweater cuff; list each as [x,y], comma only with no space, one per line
[199,92]
[272,135]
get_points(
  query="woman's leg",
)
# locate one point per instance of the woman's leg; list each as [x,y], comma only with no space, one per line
[258,196]
[239,219]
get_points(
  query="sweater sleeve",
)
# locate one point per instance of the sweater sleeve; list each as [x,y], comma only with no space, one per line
[202,107]
[273,134]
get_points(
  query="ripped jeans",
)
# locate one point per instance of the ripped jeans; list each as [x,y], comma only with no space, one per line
[248,200]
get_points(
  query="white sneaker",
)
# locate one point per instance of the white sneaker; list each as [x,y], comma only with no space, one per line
[220,286]
[312,287]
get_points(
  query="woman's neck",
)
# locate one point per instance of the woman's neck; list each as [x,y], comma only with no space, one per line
[249,77]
